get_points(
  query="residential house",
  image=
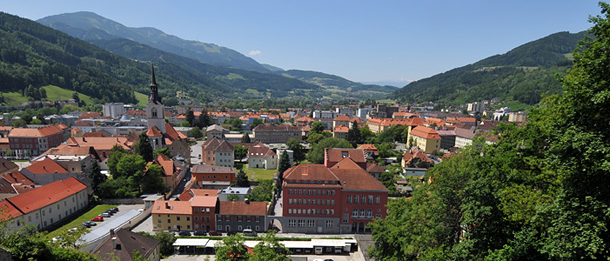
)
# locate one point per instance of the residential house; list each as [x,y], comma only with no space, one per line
[340,132]
[26,142]
[332,156]
[172,215]
[425,138]
[15,183]
[46,171]
[235,216]
[463,137]
[213,176]
[215,130]
[204,212]
[342,120]
[46,206]
[415,158]
[270,133]
[447,138]
[169,172]
[369,150]
[122,244]
[260,156]
[241,193]
[375,170]
[217,152]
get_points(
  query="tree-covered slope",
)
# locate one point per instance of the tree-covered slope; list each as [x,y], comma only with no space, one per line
[90,26]
[339,85]
[522,74]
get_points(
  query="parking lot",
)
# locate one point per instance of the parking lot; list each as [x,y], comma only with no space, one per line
[352,257]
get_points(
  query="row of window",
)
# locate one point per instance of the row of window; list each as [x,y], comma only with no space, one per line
[203,219]
[203,210]
[209,177]
[169,220]
[311,201]
[308,223]
[311,211]
[239,228]
[239,218]
[311,192]
[364,199]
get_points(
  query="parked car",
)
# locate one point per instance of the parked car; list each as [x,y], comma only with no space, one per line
[184,233]
[110,212]
[230,233]
[199,233]
[87,225]
[91,223]
[114,210]
[105,215]
[72,230]
[97,219]
[249,233]
[215,233]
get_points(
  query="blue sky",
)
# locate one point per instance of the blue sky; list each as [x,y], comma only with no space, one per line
[365,41]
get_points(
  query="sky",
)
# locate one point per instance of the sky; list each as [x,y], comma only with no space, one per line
[391,41]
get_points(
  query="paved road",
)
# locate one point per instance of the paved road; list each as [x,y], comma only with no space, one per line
[196,151]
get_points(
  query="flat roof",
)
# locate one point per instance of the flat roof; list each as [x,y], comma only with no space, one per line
[191,242]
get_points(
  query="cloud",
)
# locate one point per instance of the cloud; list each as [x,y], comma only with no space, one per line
[255,52]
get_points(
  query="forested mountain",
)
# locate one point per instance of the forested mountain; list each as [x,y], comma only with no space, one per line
[522,74]
[339,85]
[90,26]
[33,54]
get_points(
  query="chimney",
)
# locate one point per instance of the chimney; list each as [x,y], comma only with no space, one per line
[166,204]
[247,202]
[84,140]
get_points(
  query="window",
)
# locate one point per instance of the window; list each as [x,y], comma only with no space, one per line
[369,213]
[377,199]
[220,227]
[169,220]
[258,228]
[345,218]
[188,218]
[363,199]
[355,213]
[329,223]
[291,223]
[207,210]
[239,228]
[311,223]
[349,199]
[178,218]
[362,213]
[370,199]
[301,223]
[356,199]
[196,218]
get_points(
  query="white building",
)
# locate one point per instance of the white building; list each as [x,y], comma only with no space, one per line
[114,110]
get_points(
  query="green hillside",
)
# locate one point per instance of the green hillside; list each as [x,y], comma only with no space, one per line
[54,93]
[522,75]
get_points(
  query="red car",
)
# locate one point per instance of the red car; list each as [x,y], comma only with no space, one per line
[98,219]
[215,233]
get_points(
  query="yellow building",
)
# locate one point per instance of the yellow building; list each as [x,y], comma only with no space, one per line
[172,215]
[427,139]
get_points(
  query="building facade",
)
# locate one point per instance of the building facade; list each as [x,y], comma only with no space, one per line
[235,216]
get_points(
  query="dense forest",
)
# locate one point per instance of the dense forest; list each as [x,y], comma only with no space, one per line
[522,74]
[540,193]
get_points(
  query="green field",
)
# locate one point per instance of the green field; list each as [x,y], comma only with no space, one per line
[13,98]
[77,222]
[142,98]
[54,93]
[259,174]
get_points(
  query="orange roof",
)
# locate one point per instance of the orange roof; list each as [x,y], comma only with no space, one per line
[309,172]
[341,129]
[166,164]
[172,133]
[398,121]
[18,177]
[260,150]
[367,147]
[415,153]
[35,132]
[47,194]
[342,118]
[90,115]
[337,154]
[101,143]
[190,193]
[354,177]
[208,169]
[153,132]
[8,210]
[425,132]
[204,201]
[172,207]
[46,166]
[304,119]
[243,208]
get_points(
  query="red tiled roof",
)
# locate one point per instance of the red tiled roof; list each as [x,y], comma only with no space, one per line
[354,177]
[425,132]
[272,127]
[204,201]
[47,194]
[8,210]
[309,172]
[89,115]
[243,208]
[153,132]
[172,133]
[341,129]
[415,153]
[212,169]
[337,154]
[172,207]
[217,144]
[46,166]
[166,164]
[190,193]
[18,177]
[35,132]
[374,168]
[101,143]
[342,118]
[260,151]
[366,147]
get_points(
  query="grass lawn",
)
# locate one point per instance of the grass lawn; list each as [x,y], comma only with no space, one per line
[142,98]
[259,174]
[77,222]
[14,98]
[54,92]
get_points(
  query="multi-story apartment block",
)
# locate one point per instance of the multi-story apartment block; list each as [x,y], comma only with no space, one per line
[47,205]
[33,141]
[260,156]
[235,216]
[172,215]
[268,133]
[204,212]
[217,152]
[214,176]
[425,138]
[339,199]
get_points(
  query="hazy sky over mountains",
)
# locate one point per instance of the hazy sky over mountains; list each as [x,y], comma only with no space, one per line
[365,41]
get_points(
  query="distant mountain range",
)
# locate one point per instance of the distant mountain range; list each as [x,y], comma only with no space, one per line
[521,75]
[151,43]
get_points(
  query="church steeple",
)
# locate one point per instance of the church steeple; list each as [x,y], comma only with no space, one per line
[154,89]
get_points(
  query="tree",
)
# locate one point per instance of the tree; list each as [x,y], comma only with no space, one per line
[170,101]
[316,155]
[284,165]
[256,122]
[298,153]
[144,148]
[262,192]
[19,123]
[241,180]
[232,197]
[270,249]
[245,138]
[95,176]
[231,248]
[196,133]
[353,135]
[190,116]
[240,152]
[153,181]
[163,151]
[317,127]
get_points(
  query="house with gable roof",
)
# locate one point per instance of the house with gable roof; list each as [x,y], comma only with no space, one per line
[261,156]
[217,152]
[123,243]
[425,138]
[235,216]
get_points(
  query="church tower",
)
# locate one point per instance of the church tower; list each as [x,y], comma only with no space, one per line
[154,108]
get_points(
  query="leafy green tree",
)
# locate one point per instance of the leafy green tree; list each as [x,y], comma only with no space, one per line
[185,124]
[196,133]
[94,173]
[153,181]
[256,122]
[170,101]
[270,249]
[163,151]
[316,155]
[245,138]
[317,127]
[284,165]
[262,192]
[298,153]
[241,180]
[353,135]
[144,148]
[232,197]
[190,116]
[317,137]
[240,152]
[116,153]
[19,123]
[231,248]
